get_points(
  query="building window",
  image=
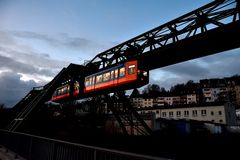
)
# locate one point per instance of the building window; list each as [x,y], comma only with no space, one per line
[194,113]
[220,112]
[186,113]
[171,114]
[178,113]
[157,111]
[220,120]
[212,113]
[164,114]
[204,112]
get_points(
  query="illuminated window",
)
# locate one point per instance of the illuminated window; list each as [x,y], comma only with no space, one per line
[122,72]
[86,82]
[106,76]
[131,69]
[112,74]
[99,79]
[64,90]
[90,81]
[116,73]
[93,80]
[76,86]
[68,88]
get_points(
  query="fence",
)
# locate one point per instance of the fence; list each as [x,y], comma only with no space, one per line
[40,148]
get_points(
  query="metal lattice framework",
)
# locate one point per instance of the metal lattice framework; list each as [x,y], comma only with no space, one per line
[213,15]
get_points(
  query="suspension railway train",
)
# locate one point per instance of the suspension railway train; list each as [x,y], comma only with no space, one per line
[123,76]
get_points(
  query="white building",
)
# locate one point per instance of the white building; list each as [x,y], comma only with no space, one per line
[212,94]
[147,102]
[223,114]
[191,98]
[161,101]
[137,102]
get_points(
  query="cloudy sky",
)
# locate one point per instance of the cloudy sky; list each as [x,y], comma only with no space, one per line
[39,38]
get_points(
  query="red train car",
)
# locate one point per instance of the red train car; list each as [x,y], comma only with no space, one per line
[127,76]
[124,76]
[65,92]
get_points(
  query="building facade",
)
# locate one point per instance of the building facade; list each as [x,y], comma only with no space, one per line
[223,114]
[214,94]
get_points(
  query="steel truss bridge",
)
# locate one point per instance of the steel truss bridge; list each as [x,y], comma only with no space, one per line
[208,30]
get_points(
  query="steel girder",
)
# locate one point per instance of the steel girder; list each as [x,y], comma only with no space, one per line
[211,16]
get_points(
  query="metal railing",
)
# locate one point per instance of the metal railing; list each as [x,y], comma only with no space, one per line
[40,148]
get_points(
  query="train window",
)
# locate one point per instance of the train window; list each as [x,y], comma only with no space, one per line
[64,90]
[116,73]
[122,72]
[106,76]
[76,83]
[68,89]
[54,93]
[131,69]
[87,81]
[112,74]
[93,80]
[90,81]
[76,86]
[99,79]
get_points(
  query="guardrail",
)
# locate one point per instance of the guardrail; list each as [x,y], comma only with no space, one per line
[40,148]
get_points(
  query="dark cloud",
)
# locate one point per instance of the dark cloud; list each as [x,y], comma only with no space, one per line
[222,56]
[34,35]
[5,39]
[190,68]
[25,60]
[30,60]
[80,43]
[18,67]
[17,59]
[62,40]
[220,65]
[13,89]
[18,62]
